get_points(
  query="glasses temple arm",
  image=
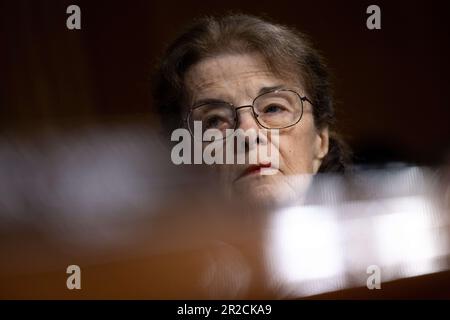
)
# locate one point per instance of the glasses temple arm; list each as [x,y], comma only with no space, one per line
[305,98]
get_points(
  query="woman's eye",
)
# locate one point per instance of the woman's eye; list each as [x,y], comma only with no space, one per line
[273,108]
[213,122]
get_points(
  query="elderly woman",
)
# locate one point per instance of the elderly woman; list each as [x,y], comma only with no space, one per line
[243,72]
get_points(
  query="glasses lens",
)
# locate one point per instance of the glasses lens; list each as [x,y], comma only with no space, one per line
[218,116]
[278,109]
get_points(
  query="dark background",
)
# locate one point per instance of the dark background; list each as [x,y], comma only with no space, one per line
[391,84]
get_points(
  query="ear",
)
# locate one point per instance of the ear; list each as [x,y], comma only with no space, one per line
[321,146]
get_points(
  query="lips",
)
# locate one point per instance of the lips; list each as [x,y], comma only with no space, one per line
[253,169]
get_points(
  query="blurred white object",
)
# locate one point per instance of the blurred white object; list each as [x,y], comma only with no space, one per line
[391,219]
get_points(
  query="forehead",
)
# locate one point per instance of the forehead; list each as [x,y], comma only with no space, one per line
[233,76]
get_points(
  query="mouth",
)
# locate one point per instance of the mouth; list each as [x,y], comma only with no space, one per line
[253,170]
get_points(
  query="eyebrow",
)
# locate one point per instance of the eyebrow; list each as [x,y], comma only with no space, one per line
[215,100]
[206,101]
[268,89]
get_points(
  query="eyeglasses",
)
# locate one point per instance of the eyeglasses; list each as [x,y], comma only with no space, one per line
[276,109]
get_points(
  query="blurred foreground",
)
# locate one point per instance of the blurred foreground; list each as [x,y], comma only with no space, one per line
[139,228]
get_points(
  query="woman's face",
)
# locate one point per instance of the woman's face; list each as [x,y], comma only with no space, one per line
[238,79]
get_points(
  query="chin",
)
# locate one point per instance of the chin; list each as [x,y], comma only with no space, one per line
[263,191]
[272,190]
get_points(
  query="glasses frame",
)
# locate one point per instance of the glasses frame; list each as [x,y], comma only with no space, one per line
[255,116]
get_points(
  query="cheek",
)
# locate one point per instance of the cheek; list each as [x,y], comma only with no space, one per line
[297,148]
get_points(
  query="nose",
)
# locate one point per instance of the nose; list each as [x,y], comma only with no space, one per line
[246,119]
